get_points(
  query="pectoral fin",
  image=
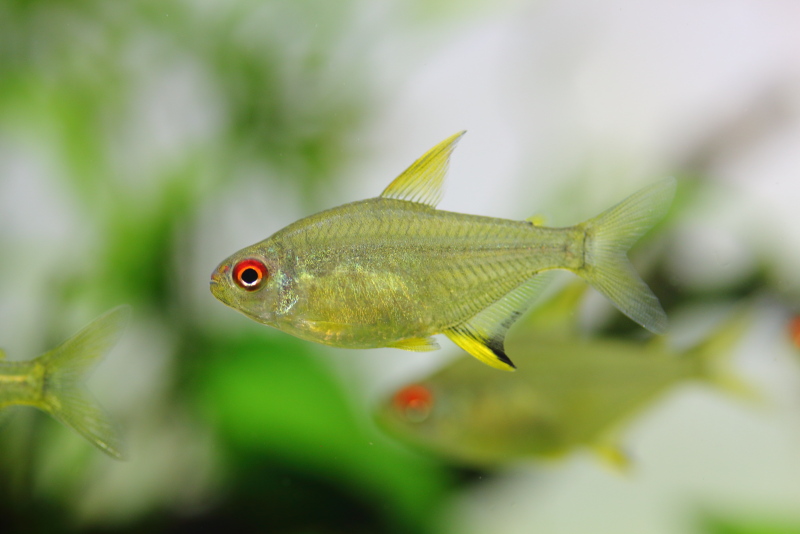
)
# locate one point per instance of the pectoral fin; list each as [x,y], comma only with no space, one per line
[423,181]
[484,335]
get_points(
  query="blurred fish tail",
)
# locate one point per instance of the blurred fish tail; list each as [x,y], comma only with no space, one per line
[66,367]
[608,238]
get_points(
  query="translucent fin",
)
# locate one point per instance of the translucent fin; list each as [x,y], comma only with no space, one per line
[608,238]
[417,344]
[557,316]
[484,335]
[423,181]
[713,353]
[66,367]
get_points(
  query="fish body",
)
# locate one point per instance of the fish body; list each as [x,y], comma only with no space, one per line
[21,383]
[53,382]
[408,269]
[393,271]
[568,393]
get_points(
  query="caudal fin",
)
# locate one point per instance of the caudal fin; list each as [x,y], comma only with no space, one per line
[66,367]
[608,238]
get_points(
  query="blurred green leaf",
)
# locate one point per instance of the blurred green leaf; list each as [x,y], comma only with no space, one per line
[270,398]
[750,526]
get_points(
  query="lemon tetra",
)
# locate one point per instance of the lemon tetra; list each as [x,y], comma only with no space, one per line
[393,271]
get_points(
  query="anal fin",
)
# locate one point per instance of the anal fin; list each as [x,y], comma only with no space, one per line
[483,336]
[489,351]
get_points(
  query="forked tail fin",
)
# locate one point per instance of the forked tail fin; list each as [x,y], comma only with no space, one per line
[608,238]
[66,367]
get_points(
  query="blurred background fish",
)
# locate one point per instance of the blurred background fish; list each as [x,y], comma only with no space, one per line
[570,391]
[53,382]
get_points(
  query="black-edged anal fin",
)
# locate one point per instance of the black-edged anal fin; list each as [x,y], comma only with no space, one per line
[488,350]
[483,335]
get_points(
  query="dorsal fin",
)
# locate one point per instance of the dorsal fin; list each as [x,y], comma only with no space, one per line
[484,335]
[423,181]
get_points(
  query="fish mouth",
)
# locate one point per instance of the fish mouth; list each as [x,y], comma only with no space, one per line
[215,283]
[216,276]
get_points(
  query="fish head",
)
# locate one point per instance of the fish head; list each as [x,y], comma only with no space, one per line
[474,417]
[250,282]
[422,415]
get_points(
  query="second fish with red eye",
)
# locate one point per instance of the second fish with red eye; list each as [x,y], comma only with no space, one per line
[393,271]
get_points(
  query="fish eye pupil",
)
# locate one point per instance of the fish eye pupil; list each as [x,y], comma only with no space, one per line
[249,276]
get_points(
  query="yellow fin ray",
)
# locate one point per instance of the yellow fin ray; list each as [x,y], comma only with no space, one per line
[416,344]
[423,181]
[478,347]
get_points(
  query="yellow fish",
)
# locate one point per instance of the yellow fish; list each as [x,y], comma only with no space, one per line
[392,271]
[569,392]
[53,382]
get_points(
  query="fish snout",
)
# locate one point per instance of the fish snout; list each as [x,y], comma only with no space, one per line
[216,276]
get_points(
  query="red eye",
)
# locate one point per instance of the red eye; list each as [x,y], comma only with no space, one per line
[414,402]
[250,274]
